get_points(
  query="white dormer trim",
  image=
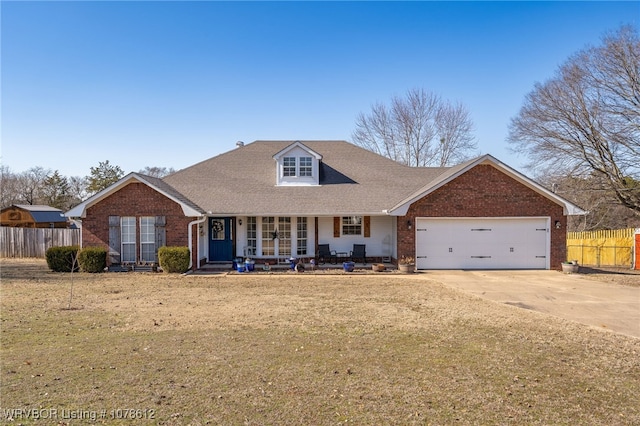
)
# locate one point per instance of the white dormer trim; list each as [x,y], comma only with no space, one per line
[297,165]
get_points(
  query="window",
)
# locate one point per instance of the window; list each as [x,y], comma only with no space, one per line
[352,225]
[252,236]
[284,236]
[128,239]
[305,166]
[148,239]
[268,236]
[276,236]
[289,166]
[217,229]
[301,236]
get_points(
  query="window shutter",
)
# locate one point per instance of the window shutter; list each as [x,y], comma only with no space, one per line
[367,226]
[114,240]
[161,233]
[336,227]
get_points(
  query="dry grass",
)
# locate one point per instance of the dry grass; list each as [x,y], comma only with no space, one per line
[301,349]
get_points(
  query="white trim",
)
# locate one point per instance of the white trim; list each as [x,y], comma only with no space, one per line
[81,209]
[296,144]
[402,207]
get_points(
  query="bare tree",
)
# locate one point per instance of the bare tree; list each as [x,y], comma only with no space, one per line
[587,117]
[156,171]
[455,128]
[419,129]
[77,189]
[30,185]
[8,187]
[593,194]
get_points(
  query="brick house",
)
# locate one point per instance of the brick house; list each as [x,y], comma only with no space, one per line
[272,200]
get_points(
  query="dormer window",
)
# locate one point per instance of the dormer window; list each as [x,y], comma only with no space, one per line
[306,166]
[297,165]
[289,166]
[304,169]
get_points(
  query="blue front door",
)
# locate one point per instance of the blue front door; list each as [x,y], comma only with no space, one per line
[220,243]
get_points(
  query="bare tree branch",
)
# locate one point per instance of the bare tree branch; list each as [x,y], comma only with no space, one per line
[587,117]
[419,129]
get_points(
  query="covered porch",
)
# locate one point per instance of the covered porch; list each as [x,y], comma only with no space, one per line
[275,240]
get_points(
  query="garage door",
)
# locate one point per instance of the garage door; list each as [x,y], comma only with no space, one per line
[482,243]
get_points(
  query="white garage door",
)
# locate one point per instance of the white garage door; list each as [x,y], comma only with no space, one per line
[482,243]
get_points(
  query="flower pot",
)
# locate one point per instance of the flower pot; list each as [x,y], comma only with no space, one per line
[249,265]
[406,269]
[570,268]
[348,266]
[378,267]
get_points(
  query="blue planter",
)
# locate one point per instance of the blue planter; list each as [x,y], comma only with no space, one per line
[240,267]
[249,266]
[348,266]
[237,261]
[292,263]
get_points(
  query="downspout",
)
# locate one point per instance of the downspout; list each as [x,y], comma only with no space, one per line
[190,228]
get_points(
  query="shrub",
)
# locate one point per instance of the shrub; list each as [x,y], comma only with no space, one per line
[93,259]
[61,259]
[174,259]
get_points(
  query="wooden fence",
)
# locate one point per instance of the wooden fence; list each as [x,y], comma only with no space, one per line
[34,242]
[601,248]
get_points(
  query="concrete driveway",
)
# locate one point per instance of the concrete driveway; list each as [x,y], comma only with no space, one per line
[571,296]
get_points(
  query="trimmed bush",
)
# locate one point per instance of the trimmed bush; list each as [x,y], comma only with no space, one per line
[174,259]
[60,259]
[93,259]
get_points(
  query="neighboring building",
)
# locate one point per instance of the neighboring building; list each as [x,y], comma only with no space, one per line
[33,216]
[271,200]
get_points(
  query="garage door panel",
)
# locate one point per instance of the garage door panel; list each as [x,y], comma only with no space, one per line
[484,243]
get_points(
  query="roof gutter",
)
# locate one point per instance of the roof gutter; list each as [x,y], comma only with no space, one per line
[202,219]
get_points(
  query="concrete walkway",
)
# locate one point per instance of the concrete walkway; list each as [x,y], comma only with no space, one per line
[571,296]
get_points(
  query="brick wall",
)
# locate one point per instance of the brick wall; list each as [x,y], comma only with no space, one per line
[484,191]
[136,199]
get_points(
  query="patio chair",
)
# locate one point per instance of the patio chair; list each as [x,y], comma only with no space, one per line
[359,252]
[326,254]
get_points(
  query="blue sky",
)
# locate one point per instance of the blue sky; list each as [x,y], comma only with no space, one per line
[169,84]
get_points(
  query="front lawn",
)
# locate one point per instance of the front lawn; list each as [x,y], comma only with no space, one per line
[297,349]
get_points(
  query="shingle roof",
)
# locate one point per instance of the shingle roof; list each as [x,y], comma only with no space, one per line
[188,207]
[352,181]
[169,190]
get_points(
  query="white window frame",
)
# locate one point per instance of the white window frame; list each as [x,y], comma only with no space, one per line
[128,238]
[289,166]
[302,237]
[282,246]
[305,168]
[252,236]
[147,238]
[352,225]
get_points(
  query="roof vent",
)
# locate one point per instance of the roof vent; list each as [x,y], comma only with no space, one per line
[239,144]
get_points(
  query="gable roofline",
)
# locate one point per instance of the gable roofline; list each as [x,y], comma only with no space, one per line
[36,208]
[189,209]
[297,144]
[400,209]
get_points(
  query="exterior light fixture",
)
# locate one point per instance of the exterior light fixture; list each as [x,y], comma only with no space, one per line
[409,225]
[558,224]
[240,222]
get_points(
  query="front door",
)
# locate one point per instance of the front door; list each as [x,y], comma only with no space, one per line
[220,241]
